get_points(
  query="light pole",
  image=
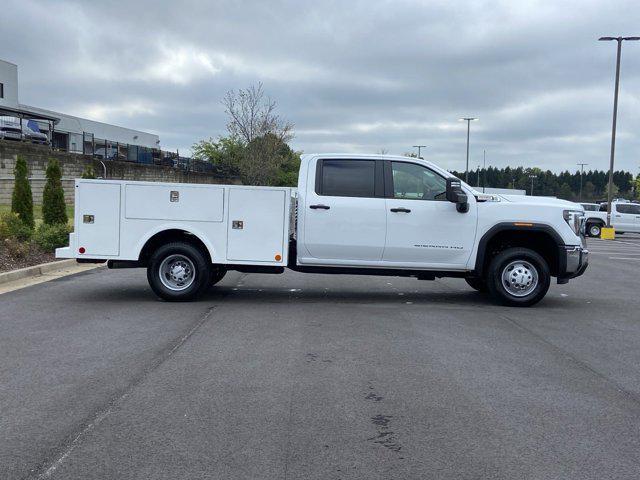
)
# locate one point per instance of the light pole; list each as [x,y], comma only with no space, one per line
[419,147]
[468,120]
[615,118]
[484,170]
[581,172]
[532,177]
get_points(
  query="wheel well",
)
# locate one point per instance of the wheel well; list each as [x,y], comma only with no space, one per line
[168,236]
[539,241]
[591,221]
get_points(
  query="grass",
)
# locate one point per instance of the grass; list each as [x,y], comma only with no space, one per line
[37,212]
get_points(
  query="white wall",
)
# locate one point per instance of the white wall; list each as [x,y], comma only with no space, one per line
[9,78]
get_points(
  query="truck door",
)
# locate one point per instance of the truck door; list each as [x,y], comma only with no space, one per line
[623,218]
[423,228]
[344,211]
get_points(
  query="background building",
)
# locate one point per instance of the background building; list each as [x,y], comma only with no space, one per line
[70,133]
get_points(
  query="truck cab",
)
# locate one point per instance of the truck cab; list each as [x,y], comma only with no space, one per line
[351,214]
[625,218]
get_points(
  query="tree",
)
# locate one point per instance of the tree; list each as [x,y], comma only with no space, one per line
[88,172]
[267,160]
[53,207]
[565,192]
[589,191]
[637,187]
[256,148]
[226,154]
[22,198]
[251,115]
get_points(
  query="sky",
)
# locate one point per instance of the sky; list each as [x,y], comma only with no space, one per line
[353,76]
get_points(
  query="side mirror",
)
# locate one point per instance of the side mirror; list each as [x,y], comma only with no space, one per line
[455,194]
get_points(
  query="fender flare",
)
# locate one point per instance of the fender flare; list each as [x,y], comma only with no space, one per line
[511,226]
[173,226]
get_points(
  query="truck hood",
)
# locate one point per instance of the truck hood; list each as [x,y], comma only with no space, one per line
[542,201]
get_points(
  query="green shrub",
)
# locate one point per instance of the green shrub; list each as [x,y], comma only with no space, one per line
[53,207]
[16,248]
[50,237]
[12,227]
[22,198]
[88,172]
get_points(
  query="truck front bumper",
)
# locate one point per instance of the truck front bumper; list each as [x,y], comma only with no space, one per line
[574,260]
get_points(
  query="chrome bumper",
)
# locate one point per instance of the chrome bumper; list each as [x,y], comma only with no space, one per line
[573,262]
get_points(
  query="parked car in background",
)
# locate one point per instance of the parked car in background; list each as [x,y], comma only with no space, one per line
[591,207]
[32,133]
[10,130]
[625,218]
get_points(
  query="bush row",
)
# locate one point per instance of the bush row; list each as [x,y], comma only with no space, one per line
[47,237]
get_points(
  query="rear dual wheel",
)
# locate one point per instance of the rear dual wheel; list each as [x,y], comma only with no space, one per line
[179,272]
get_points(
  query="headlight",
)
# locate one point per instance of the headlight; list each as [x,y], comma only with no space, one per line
[574,219]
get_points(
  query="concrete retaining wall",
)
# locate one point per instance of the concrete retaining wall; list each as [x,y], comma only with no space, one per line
[73,165]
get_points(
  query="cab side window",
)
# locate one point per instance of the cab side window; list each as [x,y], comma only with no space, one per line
[346,178]
[416,182]
[628,208]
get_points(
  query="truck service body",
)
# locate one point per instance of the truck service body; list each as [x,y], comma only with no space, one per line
[353,214]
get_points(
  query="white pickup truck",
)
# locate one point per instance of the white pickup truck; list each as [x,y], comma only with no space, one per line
[351,214]
[625,218]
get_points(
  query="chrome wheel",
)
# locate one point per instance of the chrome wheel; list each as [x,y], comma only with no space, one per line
[519,278]
[177,272]
[594,230]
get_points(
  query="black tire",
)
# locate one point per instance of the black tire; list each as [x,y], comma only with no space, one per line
[217,273]
[477,284]
[594,229]
[499,290]
[197,264]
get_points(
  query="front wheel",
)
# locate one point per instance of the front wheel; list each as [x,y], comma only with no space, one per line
[518,277]
[179,272]
[594,229]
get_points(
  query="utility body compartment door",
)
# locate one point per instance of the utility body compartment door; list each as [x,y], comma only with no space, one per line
[98,218]
[256,225]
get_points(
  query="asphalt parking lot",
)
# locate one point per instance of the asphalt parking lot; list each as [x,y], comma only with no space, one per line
[323,377]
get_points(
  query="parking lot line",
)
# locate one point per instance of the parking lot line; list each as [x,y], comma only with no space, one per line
[624,258]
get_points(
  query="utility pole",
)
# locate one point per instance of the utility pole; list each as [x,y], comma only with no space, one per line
[419,147]
[581,172]
[532,177]
[468,120]
[484,170]
[615,118]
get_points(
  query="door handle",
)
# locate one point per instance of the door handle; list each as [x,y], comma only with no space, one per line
[403,210]
[322,207]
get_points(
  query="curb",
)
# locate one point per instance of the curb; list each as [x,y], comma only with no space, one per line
[36,270]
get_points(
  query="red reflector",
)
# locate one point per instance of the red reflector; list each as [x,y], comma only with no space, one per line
[81,250]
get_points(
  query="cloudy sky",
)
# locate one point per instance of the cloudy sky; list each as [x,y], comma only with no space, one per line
[356,76]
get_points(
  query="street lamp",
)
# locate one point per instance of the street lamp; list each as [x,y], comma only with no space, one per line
[581,172]
[615,117]
[532,177]
[419,147]
[484,170]
[468,120]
